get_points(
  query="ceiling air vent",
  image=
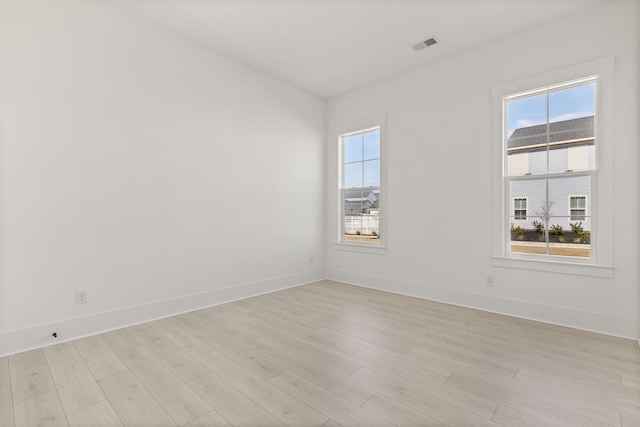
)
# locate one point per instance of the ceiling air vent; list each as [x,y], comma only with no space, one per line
[424,44]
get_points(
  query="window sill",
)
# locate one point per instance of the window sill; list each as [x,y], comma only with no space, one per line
[574,268]
[360,247]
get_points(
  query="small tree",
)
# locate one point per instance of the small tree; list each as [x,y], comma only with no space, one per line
[544,213]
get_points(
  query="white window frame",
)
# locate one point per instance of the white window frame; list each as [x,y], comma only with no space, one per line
[339,132]
[586,208]
[526,210]
[601,262]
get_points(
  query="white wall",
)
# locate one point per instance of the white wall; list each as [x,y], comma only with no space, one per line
[156,175]
[439,148]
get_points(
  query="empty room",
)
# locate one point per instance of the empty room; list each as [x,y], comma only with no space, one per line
[319,213]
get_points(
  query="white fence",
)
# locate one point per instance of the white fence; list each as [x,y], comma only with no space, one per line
[365,224]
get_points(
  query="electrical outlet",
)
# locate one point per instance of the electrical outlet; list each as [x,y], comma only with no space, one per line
[489,281]
[81,296]
[311,260]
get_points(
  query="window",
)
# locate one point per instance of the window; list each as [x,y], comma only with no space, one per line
[520,209]
[563,121]
[555,126]
[578,208]
[360,186]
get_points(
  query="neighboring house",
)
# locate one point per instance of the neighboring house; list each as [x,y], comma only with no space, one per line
[571,145]
[361,202]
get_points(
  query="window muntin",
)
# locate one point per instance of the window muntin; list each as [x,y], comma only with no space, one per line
[555,128]
[361,186]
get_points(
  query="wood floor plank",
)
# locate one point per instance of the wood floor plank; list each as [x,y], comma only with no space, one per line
[132,402]
[333,362]
[97,415]
[590,409]
[178,400]
[269,351]
[628,420]
[337,384]
[5,379]
[303,329]
[76,385]
[233,405]
[120,339]
[370,352]
[99,357]
[280,404]
[210,419]
[329,404]
[6,406]
[43,409]
[397,413]
[179,362]
[529,405]
[445,404]
[244,355]
[181,337]
[509,417]
[30,375]
[409,373]
[631,379]
[458,363]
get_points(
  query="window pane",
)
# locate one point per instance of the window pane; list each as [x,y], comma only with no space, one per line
[533,195]
[352,148]
[372,145]
[372,173]
[353,175]
[526,120]
[571,117]
[561,193]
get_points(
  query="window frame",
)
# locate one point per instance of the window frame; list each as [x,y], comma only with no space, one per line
[339,133]
[601,262]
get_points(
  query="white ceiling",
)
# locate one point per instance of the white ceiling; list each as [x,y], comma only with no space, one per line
[329,47]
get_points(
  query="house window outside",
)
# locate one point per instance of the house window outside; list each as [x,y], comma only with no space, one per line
[578,208]
[520,209]
[555,128]
[360,186]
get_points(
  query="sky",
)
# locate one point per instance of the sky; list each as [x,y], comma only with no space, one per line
[565,104]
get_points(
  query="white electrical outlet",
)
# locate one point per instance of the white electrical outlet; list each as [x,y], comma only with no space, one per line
[81,296]
[489,281]
[310,260]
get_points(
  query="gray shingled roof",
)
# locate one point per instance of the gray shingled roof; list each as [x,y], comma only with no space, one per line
[566,130]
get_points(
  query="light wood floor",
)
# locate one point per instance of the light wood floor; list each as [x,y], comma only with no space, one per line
[327,354]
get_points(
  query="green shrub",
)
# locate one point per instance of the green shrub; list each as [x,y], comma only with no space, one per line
[538,225]
[517,229]
[577,227]
[556,230]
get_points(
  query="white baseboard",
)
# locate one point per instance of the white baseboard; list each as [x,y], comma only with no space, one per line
[17,341]
[563,316]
